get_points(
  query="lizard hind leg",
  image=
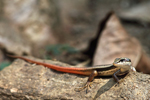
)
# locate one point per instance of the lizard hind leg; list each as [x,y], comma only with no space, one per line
[89,81]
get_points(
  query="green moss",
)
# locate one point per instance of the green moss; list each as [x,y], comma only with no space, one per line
[4,64]
[58,49]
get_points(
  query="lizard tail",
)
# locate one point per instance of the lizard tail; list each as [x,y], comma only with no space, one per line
[81,71]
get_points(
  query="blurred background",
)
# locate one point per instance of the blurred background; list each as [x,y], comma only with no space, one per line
[64,29]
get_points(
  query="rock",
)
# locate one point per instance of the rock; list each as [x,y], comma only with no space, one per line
[22,80]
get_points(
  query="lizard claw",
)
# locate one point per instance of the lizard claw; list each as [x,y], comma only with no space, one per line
[88,85]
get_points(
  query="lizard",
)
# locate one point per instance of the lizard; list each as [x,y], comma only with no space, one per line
[120,66]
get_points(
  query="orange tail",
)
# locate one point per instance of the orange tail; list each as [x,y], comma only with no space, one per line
[81,71]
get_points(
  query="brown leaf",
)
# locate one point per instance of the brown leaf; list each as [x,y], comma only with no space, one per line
[27,18]
[144,64]
[115,42]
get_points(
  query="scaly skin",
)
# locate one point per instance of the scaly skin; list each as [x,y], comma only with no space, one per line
[81,71]
[120,66]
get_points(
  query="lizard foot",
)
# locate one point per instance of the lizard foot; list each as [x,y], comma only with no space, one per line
[87,86]
[119,82]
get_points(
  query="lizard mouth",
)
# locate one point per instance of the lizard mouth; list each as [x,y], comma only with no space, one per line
[125,66]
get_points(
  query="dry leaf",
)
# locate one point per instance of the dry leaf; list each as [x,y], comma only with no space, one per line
[144,64]
[27,15]
[115,42]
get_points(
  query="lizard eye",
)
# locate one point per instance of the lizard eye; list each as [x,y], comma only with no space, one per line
[122,60]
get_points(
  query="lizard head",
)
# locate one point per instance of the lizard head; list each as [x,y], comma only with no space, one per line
[123,62]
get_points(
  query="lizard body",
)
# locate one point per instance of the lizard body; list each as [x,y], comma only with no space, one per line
[120,66]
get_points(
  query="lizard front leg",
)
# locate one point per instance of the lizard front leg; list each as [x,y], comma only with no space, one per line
[119,72]
[115,75]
